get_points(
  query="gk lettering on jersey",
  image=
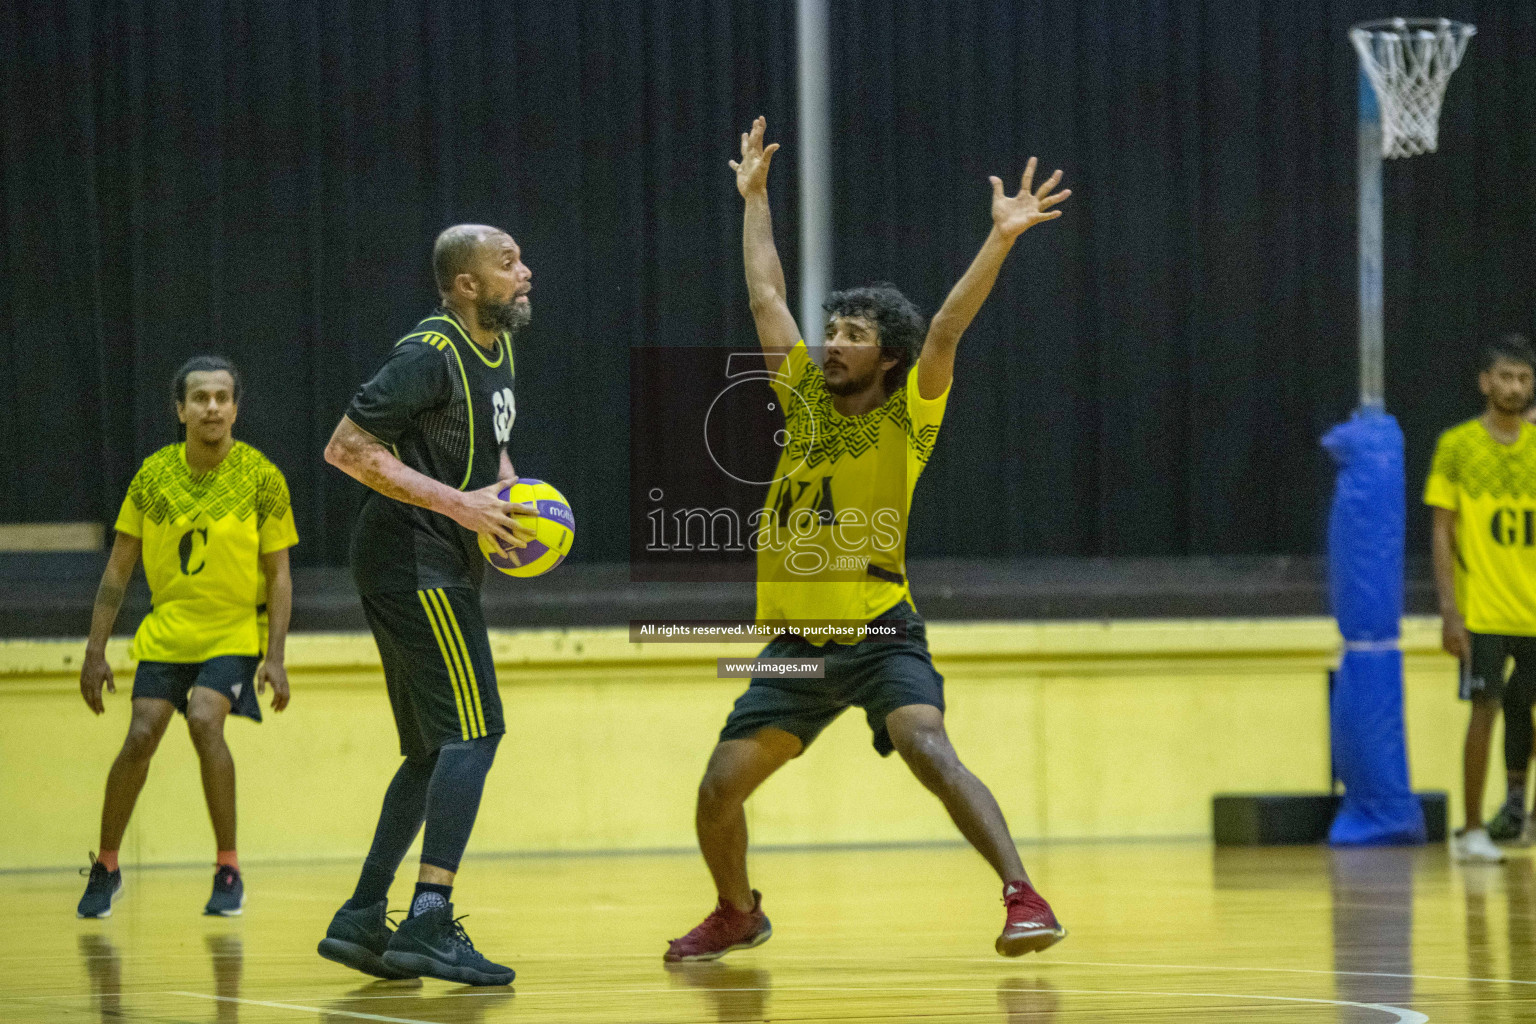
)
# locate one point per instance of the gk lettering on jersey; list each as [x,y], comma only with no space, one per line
[506,413]
[193,550]
[1511,527]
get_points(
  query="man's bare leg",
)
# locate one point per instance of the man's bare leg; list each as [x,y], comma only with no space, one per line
[736,768]
[206,712]
[431,874]
[150,717]
[917,731]
[1474,761]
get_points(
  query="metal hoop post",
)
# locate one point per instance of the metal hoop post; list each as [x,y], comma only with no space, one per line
[1372,351]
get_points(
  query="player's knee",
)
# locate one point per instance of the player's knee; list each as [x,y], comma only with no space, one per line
[466,763]
[719,793]
[929,753]
[483,748]
[207,730]
[141,742]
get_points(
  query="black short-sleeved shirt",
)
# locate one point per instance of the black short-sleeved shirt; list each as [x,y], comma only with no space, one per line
[445,406]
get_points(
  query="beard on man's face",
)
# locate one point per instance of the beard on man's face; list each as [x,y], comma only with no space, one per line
[511,316]
[850,385]
[1512,403]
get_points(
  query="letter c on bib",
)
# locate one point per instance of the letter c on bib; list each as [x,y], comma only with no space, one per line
[193,550]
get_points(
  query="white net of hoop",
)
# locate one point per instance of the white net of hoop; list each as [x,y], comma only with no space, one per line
[1409,62]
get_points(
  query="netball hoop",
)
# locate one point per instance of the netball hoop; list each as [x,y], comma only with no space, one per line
[1405,64]
[1409,62]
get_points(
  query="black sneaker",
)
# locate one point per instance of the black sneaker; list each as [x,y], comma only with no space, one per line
[358,939]
[1507,825]
[102,888]
[434,944]
[228,899]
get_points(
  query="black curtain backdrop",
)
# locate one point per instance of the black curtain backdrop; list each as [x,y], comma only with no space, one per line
[1154,370]
[1150,377]
[266,179]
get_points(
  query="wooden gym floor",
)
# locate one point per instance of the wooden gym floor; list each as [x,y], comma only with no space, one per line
[1158,932]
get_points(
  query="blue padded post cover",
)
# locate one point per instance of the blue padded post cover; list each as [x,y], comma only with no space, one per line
[1365,563]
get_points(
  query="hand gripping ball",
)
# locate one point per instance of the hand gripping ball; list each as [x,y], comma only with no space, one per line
[555,530]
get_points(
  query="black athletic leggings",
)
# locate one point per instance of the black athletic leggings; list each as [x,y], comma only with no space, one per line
[441,789]
[1519,697]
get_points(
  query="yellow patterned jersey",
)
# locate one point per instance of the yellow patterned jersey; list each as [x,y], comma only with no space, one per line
[831,539]
[203,537]
[1491,487]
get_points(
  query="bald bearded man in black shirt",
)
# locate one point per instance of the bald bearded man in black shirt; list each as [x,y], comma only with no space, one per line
[428,435]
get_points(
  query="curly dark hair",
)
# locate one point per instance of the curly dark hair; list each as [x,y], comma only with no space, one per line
[901,327]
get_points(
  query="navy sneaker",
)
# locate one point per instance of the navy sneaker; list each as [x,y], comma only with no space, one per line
[434,944]
[102,888]
[358,939]
[1507,825]
[228,899]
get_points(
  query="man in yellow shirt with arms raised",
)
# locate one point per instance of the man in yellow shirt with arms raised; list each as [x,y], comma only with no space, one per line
[831,544]
[1482,487]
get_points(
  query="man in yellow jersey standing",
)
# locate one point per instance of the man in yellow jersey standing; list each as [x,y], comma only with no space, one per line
[212,520]
[428,436]
[831,554]
[1482,487]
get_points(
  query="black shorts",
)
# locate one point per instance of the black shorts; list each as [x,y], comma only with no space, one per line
[437,665]
[1482,675]
[876,675]
[233,675]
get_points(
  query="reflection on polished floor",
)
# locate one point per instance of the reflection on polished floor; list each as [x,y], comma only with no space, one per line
[1158,932]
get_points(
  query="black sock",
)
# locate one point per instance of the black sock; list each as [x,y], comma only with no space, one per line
[1515,801]
[428,896]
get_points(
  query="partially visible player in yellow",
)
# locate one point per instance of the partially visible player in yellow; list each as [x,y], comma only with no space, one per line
[1482,487]
[211,518]
[831,554]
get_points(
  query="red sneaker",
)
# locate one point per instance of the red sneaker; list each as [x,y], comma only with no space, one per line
[1031,924]
[725,929]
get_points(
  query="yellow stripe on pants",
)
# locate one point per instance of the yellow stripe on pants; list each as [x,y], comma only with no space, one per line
[476,712]
[453,671]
